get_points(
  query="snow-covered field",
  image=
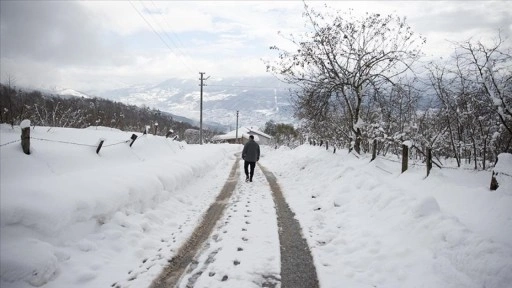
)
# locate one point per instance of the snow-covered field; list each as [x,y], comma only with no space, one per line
[370,226]
[74,218]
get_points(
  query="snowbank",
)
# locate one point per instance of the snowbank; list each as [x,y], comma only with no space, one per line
[503,172]
[370,226]
[59,201]
[72,218]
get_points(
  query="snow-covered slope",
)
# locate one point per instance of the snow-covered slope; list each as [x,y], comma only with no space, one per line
[71,92]
[370,226]
[72,218]
[257,99]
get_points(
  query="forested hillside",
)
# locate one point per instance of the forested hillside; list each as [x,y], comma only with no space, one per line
[80,112]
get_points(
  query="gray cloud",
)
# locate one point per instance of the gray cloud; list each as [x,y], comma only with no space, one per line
[59,32]
[93,44]
[464,16]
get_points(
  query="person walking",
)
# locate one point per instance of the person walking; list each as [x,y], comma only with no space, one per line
[251,155]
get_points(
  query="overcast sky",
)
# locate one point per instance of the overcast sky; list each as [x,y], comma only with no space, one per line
[96,45]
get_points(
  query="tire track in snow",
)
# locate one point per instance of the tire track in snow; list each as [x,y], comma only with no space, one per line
[171,274]
[243,250]
[297,267]
[234,256]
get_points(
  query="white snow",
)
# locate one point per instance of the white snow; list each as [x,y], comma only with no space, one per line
[503,171]
[245,246]
[359,124]
[370,226]
[408,143]
[72,218]
[242,132]
[67,91]
[25,124]
[504,164]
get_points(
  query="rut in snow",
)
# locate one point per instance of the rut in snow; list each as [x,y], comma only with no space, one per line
[177,265]
[297,268]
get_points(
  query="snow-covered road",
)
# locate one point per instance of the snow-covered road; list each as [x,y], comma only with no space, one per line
[74,218]
[257,242]
[243,250]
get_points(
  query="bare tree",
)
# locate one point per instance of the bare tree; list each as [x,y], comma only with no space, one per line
[474,92]
[343,59]
[489,67]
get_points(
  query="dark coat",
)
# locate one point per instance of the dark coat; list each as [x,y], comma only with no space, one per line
[251,152]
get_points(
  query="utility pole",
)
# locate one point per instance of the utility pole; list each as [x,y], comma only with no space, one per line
[236,137]
[201,107]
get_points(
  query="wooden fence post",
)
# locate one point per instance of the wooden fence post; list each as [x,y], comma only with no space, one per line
[429,160]
[374,150]
[99,145]
[405,157]
[494,181]
[25,136]
[134,137]
[156,128]
[326,145]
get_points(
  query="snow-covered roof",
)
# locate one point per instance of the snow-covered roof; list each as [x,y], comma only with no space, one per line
[242,132]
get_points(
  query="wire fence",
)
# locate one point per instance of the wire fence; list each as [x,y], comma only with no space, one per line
[117,143]
[419,163]
[12,142]
[64,142]
[98,146]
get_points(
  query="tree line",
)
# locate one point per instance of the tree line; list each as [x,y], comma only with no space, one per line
[80,112]
[363,84]
[282,133]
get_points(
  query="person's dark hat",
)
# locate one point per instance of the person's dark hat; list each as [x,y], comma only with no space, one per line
[252,136]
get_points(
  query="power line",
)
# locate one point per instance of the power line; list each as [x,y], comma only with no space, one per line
[244,86]
[170,29]
[166,34]
[158,34]
[279,87]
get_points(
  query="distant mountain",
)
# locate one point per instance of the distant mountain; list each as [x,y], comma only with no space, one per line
[258,100]
[64,92]
[71,92]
